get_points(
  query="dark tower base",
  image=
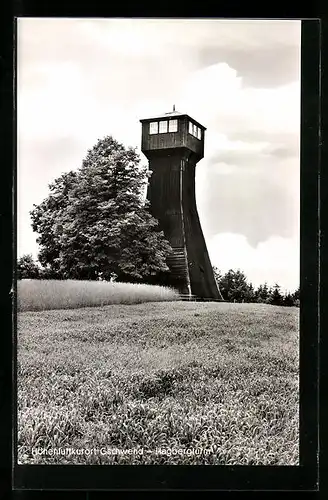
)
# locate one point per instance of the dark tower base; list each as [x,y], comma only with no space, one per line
[171,193]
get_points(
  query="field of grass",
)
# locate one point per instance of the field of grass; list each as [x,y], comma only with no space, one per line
[40,295]
[217,382]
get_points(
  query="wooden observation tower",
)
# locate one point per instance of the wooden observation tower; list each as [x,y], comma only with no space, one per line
[173,144]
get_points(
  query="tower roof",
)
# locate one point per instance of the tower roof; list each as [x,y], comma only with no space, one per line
[172,114]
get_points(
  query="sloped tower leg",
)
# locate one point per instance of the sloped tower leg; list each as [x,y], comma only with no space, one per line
[171,193]
[166,206]
[202,279]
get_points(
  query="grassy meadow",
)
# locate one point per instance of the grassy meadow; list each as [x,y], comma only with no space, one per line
[178,375]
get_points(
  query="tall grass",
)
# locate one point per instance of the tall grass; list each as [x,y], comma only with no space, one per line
[39,295]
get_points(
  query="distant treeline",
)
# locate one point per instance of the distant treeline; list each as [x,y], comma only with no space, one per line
[235,287]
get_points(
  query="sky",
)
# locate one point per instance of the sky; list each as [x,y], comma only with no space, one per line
[79,80]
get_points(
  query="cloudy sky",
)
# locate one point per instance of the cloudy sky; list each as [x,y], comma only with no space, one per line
[81,79]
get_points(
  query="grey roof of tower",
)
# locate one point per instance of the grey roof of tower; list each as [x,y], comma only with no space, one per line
[171,114]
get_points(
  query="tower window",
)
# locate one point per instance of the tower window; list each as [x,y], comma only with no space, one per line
[173,125]
[195,131]
[153,128]
[163,127]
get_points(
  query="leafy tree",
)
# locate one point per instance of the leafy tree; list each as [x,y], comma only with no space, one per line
[250,295]
[234,286]
[46,221]
[296,297]
[95,223]
[47,273]
[288,300]
[276,297]
[262,294]
[27,268]
[296,294]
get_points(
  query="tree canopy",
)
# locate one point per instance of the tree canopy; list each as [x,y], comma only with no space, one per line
[235,287]
[27,268]
[95,222]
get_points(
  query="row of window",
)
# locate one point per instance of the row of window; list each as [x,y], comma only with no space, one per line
[163,127]
[172,126]
[194,130]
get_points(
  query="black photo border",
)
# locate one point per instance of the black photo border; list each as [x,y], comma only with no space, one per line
[206,478]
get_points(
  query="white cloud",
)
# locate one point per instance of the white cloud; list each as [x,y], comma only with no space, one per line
[216,96]
[273,260]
